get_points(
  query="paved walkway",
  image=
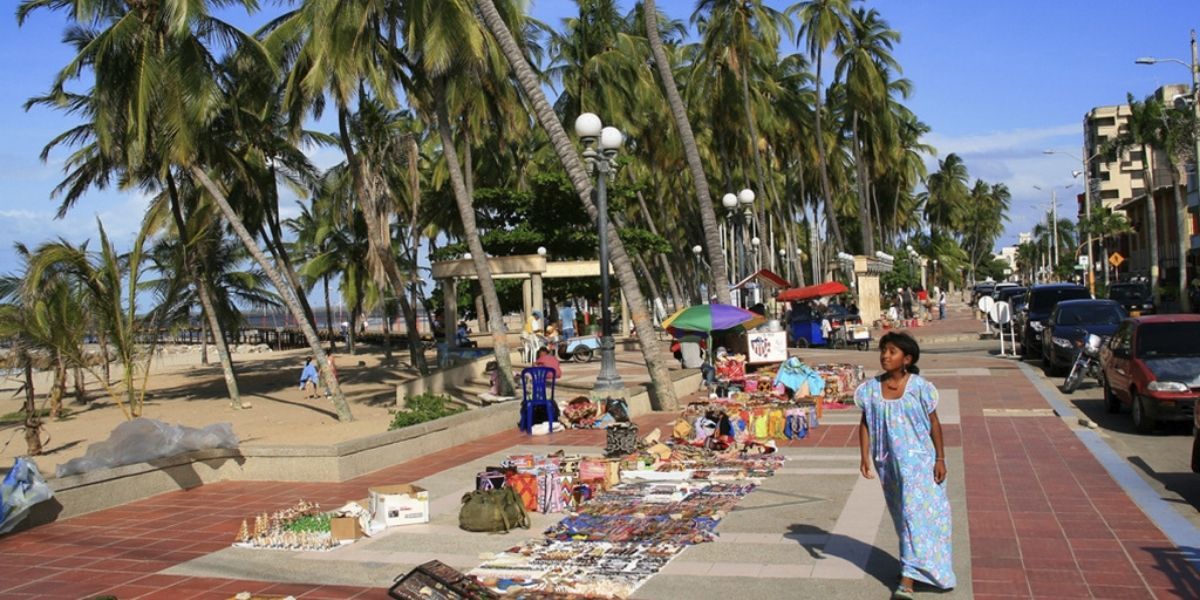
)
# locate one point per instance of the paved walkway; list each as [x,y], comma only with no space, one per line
[1036,516]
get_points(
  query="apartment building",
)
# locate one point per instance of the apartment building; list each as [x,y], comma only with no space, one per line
[1120,185]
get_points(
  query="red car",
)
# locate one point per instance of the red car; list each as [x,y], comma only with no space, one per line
[1152,365]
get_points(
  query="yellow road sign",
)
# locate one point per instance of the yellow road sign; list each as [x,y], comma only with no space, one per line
[1115,259]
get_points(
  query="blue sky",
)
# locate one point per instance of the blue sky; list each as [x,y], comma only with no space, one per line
[997,81]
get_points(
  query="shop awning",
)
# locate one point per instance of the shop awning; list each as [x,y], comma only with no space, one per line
[764,278]
[829,288]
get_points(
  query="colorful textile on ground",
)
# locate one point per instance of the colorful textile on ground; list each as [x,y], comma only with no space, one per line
[904,458]
[621,537]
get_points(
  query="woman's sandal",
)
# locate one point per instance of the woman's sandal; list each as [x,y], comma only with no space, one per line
[902,593]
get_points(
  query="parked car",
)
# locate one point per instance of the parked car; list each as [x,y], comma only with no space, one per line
[1014,295]
[985,288]
[1152,365]
[1069,325]
[1134,297]
[1041,300]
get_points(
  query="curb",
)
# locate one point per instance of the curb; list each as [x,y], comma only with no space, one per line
[1179,530]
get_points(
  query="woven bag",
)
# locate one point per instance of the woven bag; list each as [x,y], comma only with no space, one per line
[622,439]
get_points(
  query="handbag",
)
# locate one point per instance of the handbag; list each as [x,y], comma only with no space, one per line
[489,480]
[621,440]
[617,408]
[492,511]
[526,487]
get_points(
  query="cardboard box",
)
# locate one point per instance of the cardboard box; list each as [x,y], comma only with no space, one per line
[402,504]
[345,528]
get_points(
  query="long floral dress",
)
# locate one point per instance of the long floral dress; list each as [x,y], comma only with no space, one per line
[904,458]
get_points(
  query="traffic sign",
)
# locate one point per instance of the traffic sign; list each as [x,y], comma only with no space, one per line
[1115,259]
[986,303]
[1000,312]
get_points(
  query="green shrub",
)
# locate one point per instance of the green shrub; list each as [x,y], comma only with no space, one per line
[422,408]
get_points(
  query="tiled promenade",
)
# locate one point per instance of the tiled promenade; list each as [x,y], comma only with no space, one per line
[1044,518]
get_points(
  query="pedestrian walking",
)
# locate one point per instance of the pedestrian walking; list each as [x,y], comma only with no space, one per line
[906,299]
[901,436]
[941,299]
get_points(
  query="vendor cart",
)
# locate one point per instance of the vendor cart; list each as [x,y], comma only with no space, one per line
[804,326]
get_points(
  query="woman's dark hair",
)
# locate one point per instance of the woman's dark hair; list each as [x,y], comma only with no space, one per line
[906,344]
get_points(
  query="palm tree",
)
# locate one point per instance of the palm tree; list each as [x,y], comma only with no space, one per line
[823,22]
[864,58]
[1175,138]
[340,48]
[1145,121]
[21,326]
[946,195]
[157,92]
[442,66]
[663,393]
[708,216]
[110,283]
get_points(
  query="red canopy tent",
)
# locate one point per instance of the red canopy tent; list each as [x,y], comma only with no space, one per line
[829,288]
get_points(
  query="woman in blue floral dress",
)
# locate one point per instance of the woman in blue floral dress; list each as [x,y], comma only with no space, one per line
[901,435]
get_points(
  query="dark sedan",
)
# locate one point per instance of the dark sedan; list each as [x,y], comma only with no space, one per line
[1069,325]
[1040,301]
[1135,298]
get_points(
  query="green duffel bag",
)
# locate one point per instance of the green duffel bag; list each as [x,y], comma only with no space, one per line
[497,510]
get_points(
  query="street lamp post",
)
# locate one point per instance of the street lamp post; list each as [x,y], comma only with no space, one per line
[696,251]
[602,164]
[1194,67]
[1087,209]
[912,259]
[730,202]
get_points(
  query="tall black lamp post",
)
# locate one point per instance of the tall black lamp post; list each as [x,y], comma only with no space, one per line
[602,164]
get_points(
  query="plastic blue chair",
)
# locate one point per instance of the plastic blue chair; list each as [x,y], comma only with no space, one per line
[534,382]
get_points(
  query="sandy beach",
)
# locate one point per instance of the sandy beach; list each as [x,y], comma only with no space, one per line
[182,390]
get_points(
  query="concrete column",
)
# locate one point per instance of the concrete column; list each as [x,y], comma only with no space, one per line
[526,300]
[625,320]
[450,312]
[868,297]
[924,280]
[539,302]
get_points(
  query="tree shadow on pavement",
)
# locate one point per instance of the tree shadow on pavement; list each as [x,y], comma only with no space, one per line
[1186,484]
[1181,565]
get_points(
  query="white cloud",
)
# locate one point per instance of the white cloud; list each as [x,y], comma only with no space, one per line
[1016,158]
[999,140]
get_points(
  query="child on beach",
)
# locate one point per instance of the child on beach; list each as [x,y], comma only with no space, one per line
[901,435]
[309,379]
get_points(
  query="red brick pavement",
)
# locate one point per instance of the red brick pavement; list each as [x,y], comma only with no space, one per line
[1046,521]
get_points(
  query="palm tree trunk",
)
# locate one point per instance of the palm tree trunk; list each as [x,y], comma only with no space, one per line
[823,165]
[103,339]
[204,340]
[466,212]
[33,423]
[310,334]
[80,386]
[278,249]
[223,354]
[663,262]
[58,389]
[352,332]
[379,238]
[1184,243]
[864,206]
[206,304]
[328,314]
[663,393]
[691,151]
[1152,220]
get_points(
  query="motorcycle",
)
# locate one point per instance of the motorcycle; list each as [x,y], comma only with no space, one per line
[1087,363]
